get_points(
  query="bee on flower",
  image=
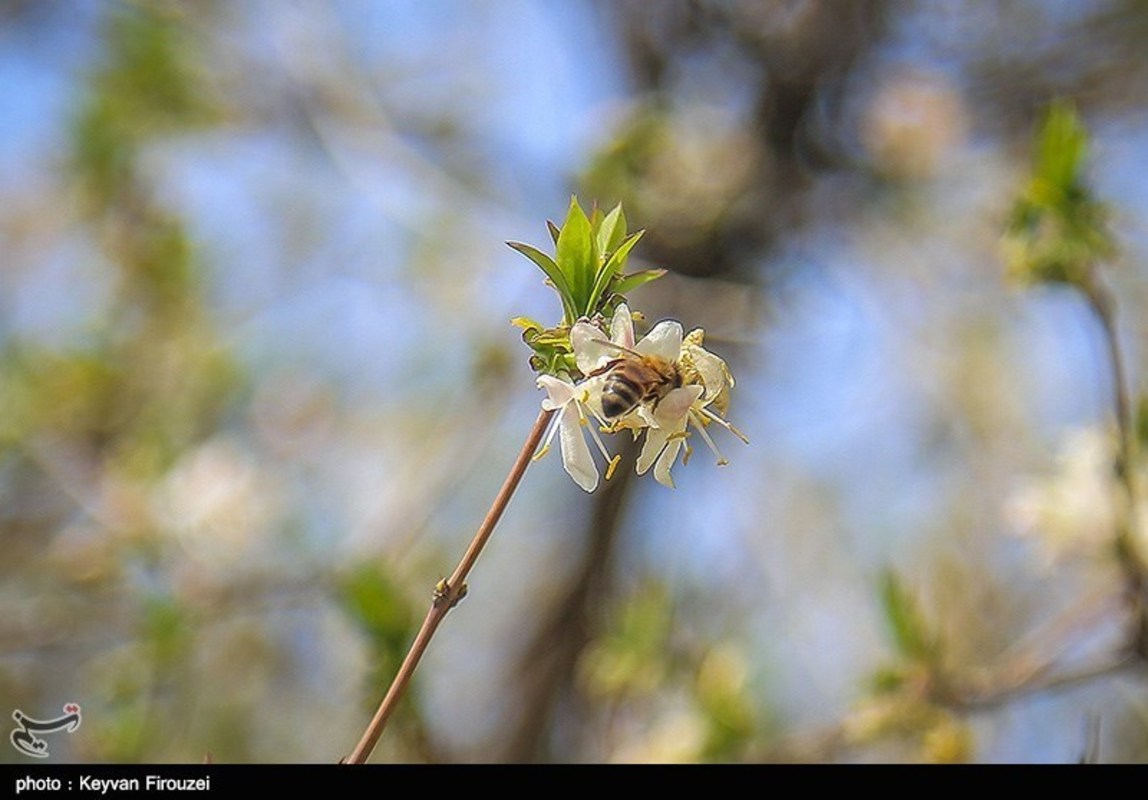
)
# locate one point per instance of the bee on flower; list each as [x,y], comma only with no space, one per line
[573,417]
[573,402]
[660,385]
[700,398]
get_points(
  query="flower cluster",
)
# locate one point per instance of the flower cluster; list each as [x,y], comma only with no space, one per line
[659,386]
[597,377]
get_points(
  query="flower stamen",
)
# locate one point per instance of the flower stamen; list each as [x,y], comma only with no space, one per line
[613,465]
[593,433]
[551,429]
[712,417]
[700,423]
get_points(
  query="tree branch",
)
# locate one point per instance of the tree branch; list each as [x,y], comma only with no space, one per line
[447,594]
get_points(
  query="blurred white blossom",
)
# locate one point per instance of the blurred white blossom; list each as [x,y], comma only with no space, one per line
[216,501]
[1072,511]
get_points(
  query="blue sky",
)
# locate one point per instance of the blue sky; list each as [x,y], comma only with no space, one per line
[319,259]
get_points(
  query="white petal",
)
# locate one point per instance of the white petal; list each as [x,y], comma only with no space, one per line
[645,415]
[589,352]
[622,327]
[673,410]
[558,391]
[712,370]
[589,393]
[664,341]
[651,448]
[576,458]
[665,461]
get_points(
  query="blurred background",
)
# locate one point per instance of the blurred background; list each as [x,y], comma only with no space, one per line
[258,384]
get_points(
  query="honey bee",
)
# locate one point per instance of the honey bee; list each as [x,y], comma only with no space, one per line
[632,379]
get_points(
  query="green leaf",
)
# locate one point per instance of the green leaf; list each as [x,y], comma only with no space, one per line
[628,283]
[596,217]
[1058,231]
[1062,149]
[909,630]
[622,252]
[531,329]
[577,256]
[547,265]
[554,230]
[612,268]
[526,323]
[612,230]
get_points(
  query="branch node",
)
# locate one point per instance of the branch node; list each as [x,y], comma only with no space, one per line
[444,595]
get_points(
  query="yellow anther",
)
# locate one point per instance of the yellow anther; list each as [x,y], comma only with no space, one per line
[612,465]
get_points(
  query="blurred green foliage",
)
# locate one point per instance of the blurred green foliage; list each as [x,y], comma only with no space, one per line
[911,636]
[638,660]
[377,605]
[1058,229]
[146,88]
[180,637]
[902,706]
[629,658]
[149,379]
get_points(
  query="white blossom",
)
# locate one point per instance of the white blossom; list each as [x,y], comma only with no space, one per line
[570,420]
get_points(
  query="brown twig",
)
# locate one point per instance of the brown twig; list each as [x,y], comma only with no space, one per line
[1130,558]
[1101,303]
[546,674]
[447,594]
[982,697]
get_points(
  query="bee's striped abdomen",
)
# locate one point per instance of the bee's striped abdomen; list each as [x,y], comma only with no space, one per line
[620,394]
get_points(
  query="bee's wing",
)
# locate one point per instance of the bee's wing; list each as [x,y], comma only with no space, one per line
[617,347]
